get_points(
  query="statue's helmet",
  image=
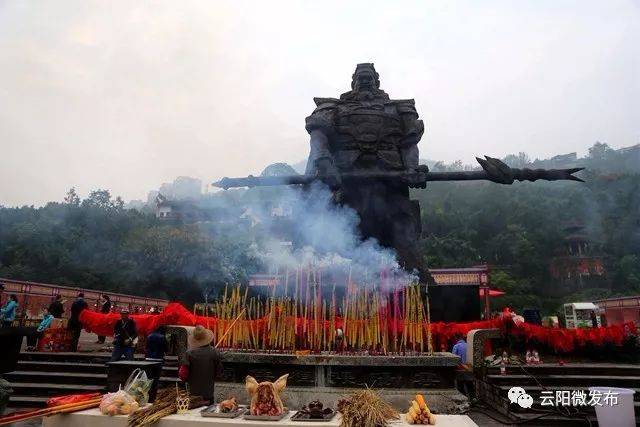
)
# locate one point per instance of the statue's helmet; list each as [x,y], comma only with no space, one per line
[365,78]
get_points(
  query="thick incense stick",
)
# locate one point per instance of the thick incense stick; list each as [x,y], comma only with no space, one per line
[229,328]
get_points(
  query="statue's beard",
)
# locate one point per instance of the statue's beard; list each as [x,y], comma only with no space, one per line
[369,94]
[366,94]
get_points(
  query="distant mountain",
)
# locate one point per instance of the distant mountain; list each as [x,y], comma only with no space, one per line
[279,169]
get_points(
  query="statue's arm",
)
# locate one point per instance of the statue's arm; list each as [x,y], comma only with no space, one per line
[319,125]
[413,129]
[411,156]
[319,151]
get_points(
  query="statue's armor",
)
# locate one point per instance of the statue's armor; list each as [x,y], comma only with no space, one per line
[369,135]
[373,133]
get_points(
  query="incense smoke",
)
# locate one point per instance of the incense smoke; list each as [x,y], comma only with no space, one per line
[324,237]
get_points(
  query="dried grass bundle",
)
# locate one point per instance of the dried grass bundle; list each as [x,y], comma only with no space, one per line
[164,405]
[365,408]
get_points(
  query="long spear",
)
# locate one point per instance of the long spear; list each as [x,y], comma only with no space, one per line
[493,170]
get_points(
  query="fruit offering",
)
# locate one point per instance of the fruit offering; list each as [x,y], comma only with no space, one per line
[419,412]
[118,403]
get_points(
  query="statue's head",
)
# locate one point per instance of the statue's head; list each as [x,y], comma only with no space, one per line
[365,78]
[365,84]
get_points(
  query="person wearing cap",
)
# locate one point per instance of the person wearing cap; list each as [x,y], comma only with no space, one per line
[124,335]
[202,364]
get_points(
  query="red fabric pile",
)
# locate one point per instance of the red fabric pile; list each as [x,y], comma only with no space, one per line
[561,340]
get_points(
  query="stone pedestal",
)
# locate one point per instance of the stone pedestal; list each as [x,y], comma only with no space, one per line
[328,377]
[343,371]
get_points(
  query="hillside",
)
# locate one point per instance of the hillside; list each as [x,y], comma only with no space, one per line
[520,230]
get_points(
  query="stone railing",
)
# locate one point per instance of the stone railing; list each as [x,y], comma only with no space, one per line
[476,339]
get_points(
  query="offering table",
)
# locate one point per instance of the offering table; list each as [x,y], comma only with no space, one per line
[93,418]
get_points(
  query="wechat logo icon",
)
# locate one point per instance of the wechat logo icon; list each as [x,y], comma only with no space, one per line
[519,396]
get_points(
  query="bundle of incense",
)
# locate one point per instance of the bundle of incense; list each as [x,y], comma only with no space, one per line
[54,410]
[370,319]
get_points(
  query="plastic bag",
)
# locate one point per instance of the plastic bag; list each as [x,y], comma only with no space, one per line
[118,403]
[138,386]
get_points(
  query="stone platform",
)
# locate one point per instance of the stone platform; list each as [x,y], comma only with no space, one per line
[440,401]
[328,377]
[94,418]
[337,370]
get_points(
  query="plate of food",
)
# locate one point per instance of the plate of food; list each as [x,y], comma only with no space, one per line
[226,409]
[266,404]
[314,411]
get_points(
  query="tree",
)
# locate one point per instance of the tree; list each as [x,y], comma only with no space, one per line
[72,198]
[519,160]
[600,151]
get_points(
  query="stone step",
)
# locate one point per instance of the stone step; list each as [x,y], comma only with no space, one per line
[33,377]
[536,391]
[51,389]
[35,394]
[571,369]
[59,366]
[41,365]
[565,380]
[586,409]
[37,377]
[502,404]
[553,420]
[78,357]
[16,401]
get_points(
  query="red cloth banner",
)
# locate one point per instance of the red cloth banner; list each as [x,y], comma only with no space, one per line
[561,340]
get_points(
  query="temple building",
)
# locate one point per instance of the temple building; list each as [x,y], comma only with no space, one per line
[577,263]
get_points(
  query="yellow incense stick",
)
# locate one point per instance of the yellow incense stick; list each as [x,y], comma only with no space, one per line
[229,328]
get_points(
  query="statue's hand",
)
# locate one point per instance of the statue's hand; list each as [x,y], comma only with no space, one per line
[418,177]
[329,173]
[497,171]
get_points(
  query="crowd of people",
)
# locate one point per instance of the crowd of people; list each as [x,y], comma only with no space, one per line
[56,310]
[200,366]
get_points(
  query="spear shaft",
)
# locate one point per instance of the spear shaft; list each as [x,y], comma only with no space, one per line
[492,170]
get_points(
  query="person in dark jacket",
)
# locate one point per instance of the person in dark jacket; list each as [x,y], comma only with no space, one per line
[55,308]
[124,336]
[74,324]
[202,364]
[157,344]
[104,309]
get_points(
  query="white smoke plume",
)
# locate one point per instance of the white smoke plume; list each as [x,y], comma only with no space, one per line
[325,238]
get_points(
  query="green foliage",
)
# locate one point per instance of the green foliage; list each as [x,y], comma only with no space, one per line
[96,243]
[517,229]
[520,228]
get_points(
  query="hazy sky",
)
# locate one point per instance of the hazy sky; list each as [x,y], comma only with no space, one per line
[125,95]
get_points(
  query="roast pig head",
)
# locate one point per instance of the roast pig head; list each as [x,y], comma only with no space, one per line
[265,396]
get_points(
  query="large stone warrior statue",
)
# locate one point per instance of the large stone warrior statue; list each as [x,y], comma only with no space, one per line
[364,146]
[365,131]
